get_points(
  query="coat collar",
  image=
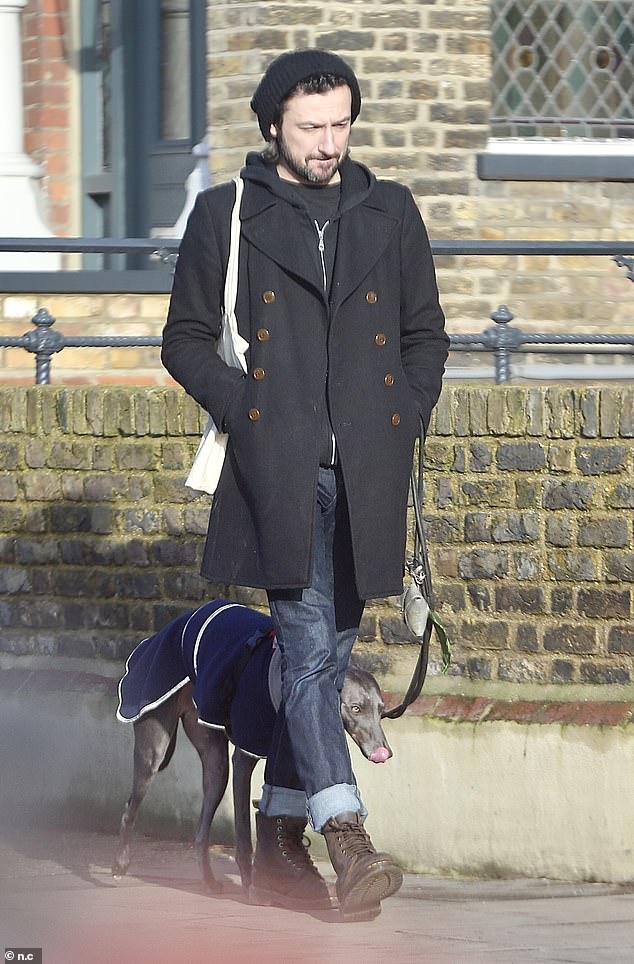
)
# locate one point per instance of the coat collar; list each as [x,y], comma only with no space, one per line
[365,228]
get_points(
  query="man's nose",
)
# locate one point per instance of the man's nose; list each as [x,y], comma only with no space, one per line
[327,141]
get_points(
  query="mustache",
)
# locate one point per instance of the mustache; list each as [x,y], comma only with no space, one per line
[330,157]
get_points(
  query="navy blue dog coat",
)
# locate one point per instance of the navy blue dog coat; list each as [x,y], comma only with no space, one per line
[228,652]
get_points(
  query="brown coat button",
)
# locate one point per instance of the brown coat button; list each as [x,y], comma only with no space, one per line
[380,339]
[268,297]
[263,334]
[389,379]
[371,297]
[396,419]
[254,414]
[258,374]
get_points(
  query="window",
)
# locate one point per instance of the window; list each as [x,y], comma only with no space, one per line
[562,72]
[175,71]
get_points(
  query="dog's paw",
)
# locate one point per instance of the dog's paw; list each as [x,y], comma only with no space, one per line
[212,886]
[119,870]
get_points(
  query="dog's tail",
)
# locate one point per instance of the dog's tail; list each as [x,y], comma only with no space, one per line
[169,753]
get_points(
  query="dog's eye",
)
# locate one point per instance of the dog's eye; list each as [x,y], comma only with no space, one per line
[355,708]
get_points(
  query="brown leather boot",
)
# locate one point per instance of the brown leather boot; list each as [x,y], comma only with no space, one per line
[364,877]
[283,873]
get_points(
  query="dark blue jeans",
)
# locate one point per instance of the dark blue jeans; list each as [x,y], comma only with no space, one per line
[308,768]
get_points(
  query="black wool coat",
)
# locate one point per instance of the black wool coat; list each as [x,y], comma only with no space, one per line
[375,350]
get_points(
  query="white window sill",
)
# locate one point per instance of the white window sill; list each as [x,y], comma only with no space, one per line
[543,159]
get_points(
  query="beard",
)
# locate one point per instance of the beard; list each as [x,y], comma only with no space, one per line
[303,171]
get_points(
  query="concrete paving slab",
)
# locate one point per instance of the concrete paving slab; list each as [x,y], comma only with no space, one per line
[56,893]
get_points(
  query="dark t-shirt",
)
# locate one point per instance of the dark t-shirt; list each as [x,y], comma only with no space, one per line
[322,204]
[322,201]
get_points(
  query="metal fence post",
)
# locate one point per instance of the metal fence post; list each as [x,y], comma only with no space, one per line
[503,339]
[43,342]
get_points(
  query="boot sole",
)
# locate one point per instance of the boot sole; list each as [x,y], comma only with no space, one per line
[262,897]
[366,894]
[364,914]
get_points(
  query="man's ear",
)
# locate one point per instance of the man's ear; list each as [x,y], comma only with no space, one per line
[273,131]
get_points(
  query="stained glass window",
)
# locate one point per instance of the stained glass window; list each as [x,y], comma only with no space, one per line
[562,68]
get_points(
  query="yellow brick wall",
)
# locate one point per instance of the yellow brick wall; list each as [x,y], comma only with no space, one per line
[424,69]
[86,316]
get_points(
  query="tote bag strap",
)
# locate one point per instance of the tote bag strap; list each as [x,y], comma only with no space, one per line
[231,278]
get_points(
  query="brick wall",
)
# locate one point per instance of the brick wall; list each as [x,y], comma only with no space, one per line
[87,315]
[47,73]
[529,502]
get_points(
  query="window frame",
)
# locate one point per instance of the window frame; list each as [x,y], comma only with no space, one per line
[121,200]
[555,159]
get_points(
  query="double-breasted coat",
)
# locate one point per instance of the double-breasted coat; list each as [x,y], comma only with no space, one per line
[373,351]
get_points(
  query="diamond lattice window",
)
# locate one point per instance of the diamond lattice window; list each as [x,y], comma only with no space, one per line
[563,68]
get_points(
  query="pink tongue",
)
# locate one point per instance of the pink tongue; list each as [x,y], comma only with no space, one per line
[380,755]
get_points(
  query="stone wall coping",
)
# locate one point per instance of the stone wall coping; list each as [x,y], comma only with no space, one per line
[480,709]
[20,681]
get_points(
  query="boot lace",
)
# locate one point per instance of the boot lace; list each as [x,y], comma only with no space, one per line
[353,839]
[294,846]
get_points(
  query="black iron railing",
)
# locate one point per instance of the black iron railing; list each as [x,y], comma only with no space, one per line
[502,340]
[45,341]
[156,246]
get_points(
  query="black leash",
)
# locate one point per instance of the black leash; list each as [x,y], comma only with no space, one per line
[417,603]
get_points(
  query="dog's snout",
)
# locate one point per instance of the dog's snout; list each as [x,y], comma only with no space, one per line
[380,755]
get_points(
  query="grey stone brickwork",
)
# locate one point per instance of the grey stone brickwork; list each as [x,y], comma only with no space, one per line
[528,510]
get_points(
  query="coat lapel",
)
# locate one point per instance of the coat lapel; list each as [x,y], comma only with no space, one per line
[281,238]
[364,233]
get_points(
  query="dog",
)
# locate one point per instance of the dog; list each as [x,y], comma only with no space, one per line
[217,669]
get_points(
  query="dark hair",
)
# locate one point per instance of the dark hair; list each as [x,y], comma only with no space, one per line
[315,84]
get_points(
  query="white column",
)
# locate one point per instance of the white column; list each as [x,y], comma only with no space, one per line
[20,214]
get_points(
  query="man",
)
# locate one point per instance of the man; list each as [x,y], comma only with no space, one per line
[338,301]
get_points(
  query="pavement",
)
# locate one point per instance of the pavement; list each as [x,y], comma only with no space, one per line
[57,895]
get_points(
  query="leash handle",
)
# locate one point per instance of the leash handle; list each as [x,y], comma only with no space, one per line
[420,572]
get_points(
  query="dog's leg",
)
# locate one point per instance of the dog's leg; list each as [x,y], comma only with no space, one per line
[243,767]
[213,750]
[152,738]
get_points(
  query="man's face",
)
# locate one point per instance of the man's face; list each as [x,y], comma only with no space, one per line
[313,136]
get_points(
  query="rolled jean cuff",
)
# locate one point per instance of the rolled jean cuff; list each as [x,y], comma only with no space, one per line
[282,802]
[327,803]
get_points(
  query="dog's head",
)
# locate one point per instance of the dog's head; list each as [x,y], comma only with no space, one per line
[361,708]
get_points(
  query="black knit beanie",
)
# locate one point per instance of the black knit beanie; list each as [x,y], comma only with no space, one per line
[288,70]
